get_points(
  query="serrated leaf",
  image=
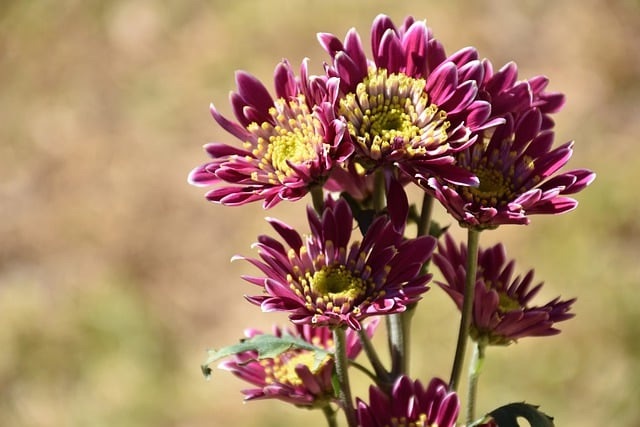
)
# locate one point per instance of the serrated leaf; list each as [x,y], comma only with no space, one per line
[267,347]
[507,415]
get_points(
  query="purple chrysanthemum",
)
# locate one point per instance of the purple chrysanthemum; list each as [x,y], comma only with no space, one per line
[517,167]
[324,279]
[289,144]
[293,375]
[410,404]
[409,106]
[501,308]
[508,95]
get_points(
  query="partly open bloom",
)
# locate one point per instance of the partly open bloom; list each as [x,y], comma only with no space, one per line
[517,167]
[410,106]
[294,376]
[324,279]
[410,404]
[508,95]
[289,144]
[501,307]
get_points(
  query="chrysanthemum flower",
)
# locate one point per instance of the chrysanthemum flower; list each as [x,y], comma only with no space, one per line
[324,279]
[508,95]
[410,105]
[501,308]
[289,144]
[293,375]
[410,404]
[517,167]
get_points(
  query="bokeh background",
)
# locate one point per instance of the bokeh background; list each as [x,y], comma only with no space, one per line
[115,273]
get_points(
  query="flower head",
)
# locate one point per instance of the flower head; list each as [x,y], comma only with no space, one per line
[501,308]
[289,144]
[410,105]
[293,375]
[324,279]
[410,404]
[508,95]
[517,167]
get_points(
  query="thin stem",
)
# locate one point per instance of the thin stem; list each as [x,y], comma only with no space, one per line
[399,326]
[473,237]
[400,363]
[425,215]
[378,191]
[330,415]
[342,365]
[475,369]
[372,355]
[317,197]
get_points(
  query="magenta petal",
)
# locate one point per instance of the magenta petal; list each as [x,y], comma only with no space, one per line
[285,81]
[253,91]
[233,128]
[442,82]
[330,43]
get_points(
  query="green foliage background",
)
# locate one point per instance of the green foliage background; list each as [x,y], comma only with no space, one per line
[114,273]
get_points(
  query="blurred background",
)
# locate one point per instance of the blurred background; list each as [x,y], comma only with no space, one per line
[115,273]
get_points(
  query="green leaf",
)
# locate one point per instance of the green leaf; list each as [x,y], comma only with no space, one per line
[436,230]
[507,415]
[267,347]
[364,217]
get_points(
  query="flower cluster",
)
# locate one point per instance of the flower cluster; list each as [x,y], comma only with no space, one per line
[479,141]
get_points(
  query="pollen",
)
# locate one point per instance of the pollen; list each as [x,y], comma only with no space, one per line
[284,369]
[507,303]
[421,421]
[390,117]
[293,138]
[336,289]
[495,188]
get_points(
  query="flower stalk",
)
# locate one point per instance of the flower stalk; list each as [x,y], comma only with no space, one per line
[330,416]
[424,222]
[342,365]
[398,326]
[475,369]
[473,238]
[317,198]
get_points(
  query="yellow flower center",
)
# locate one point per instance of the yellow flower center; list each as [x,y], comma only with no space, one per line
[507,303]
[495,188]
[293,140]
[390,117]
[404,422]
[333,283]
[284,368]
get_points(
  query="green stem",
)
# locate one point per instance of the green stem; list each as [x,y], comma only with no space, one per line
[399,326]
[473,237]
[372,355]
[475,368]
[400,363]
[330,416]
[342,365]
[425,215]
[378,196]
[317,197]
